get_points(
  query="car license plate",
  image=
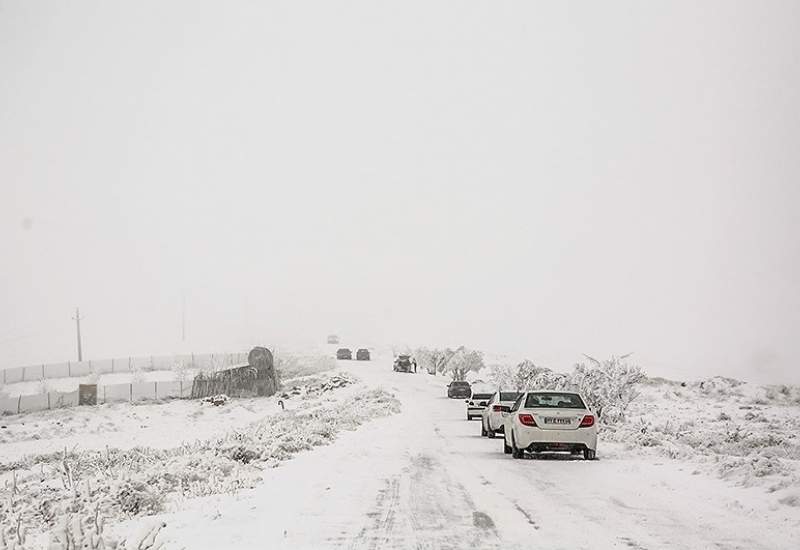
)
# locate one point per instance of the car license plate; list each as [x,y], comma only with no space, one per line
[549,420]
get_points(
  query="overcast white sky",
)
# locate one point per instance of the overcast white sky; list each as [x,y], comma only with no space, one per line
[545,178]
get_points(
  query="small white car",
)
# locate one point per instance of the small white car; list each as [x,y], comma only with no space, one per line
[495,412]
[476,404]
[550,421]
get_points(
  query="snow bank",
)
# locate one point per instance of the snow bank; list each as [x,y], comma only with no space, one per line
[725,425]
[121,483]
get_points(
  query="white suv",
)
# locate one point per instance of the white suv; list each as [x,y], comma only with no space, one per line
[495,412]
[550,421]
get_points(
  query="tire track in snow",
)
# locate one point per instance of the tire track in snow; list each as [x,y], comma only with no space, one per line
[424,508]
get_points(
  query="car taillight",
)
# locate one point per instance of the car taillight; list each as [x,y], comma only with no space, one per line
[588,421]
[497,408]
[527,420]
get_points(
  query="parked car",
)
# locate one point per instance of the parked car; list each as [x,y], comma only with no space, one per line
[550,421]
[362,354]
[459,389]
[476,404]
[404,363]
[494,414]
[344,353]
[333,339]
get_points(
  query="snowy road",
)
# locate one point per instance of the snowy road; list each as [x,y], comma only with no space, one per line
[426,479]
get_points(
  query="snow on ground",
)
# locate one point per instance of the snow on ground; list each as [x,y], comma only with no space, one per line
[686,471]
[426,479]
[743,433]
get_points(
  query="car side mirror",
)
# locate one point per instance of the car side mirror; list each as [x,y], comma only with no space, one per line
[466,401]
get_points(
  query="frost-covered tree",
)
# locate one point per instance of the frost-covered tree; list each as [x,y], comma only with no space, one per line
[462,361]
[438,359]
[609,385]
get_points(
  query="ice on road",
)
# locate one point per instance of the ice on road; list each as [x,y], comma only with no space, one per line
[426,479]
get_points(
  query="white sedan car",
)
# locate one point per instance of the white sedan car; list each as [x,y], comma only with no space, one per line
[495,412]
[550,421]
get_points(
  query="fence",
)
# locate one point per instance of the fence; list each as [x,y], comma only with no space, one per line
[112,393]
[73,369]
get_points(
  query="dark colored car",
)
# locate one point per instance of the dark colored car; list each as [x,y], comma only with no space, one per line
[459,389]
[344,353]
[403,363]
[362,355]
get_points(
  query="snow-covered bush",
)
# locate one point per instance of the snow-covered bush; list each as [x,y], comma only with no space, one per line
[116,483]
[610,385]
[463,361]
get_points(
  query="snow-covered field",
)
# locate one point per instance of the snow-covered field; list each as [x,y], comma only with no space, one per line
[711,464]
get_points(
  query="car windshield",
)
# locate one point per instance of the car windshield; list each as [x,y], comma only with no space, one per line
[554,401]
[481,395]
[509,396]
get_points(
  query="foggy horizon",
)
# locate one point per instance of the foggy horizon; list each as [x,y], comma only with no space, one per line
[541,181]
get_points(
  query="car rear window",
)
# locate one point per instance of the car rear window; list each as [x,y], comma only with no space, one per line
[554,401]
[509,396]
[460,384]
[482,395]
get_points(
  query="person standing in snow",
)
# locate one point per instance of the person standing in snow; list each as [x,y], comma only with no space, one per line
[414,362]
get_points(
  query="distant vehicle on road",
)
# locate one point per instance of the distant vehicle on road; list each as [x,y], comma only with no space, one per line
[403,363]
[476,404]
[459,389]
[550,421]
[333,339]
[494,414]
[344,353]
[362,354]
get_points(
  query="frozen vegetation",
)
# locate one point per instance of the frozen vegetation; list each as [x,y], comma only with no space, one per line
[743,433]
[72,493]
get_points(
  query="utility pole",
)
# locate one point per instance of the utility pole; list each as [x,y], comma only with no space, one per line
[183,317]
[77,320]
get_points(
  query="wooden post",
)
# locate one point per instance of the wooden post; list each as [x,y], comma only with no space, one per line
[155,389]
[69,369]
[19,402]
[42,370]
[130,390]
[48,401]
[112,365]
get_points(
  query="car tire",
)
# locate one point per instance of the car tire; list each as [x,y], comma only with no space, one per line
[506,448]
[516,453]
[589,454]
[489,431]
[484,433]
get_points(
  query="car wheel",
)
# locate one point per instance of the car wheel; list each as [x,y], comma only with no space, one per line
[483,429]
[589,454]
[516,453]
[506,448]
[489,431]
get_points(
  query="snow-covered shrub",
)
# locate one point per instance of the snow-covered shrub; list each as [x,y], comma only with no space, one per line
[463,361]
[135,498]
[719,385]
[120,483]
[610,386]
